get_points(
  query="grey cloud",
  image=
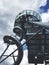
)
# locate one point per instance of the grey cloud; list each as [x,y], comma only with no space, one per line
[3,26]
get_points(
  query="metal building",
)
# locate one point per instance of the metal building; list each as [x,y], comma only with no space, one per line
[36,36]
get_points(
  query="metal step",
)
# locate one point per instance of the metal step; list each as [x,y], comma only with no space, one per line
[46,61]
[46,57]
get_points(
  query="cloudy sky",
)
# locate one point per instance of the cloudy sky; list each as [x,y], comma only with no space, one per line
[8,11]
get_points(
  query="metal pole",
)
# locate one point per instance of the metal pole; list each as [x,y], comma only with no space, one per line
[8,56]
[4,51]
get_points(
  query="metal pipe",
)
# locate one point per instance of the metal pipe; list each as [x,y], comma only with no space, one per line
[4,51]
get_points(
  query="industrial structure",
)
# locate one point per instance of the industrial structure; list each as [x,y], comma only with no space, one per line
[28,25]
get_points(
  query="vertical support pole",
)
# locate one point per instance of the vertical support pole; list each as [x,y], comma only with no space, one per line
[35,63]
[44,44]
[13,58]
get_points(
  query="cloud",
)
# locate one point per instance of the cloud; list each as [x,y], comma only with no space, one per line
[43,2]
[45,17]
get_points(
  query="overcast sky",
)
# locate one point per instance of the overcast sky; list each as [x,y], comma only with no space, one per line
[10,8]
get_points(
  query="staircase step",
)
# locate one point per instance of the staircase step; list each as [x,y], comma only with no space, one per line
[47,61]
[46,58]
